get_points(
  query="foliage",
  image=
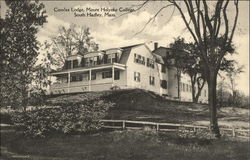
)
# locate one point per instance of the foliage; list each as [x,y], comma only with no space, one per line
[69,41]
[37,96]
[232,73]
[19,49]
[226,99]
[5,118]
[213,32]
[187,61]
[69,118]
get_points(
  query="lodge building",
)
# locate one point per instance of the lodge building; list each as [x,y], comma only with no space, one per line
[128,67]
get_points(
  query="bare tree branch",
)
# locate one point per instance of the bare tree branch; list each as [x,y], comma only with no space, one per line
[226,22]
[185,21]
[135,10]
[236,3]
[153,18]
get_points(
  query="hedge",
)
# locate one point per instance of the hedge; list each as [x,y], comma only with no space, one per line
[80,117]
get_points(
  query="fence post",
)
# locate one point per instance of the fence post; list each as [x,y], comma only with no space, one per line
[234,134]
[157,127]
[123,125]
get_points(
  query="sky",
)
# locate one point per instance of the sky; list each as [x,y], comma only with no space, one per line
[116,31]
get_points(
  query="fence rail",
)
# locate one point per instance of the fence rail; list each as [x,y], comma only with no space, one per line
[128,124]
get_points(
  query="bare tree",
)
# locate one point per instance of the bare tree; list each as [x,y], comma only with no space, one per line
[213,31]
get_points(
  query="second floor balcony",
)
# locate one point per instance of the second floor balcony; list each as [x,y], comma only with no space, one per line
[96,60]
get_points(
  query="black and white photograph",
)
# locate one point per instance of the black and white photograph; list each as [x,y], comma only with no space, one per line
[124,80]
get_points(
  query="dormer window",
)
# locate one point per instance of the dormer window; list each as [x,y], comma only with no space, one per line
[114,58]
[75,63]
[109,58]
[67,65]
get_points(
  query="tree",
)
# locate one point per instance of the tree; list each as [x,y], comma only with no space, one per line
[19,49]
[212,31]
[187,61]
[69,41]
[232,74]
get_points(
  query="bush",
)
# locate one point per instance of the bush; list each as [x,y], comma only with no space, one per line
[82,117]
[5,118]
[37,97]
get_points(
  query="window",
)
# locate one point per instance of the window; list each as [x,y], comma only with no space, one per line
[93,76]
[95,60]
[139,59]
[72,78]
[99,60]
[91,61]
[105,58]
[64,80]
[117,75]
[75,63]
[107,74]
[205,93]
[151,80]
[109,56]
[164,84]
[187,88]
[183,87]
[85,77]
[75,78]
[114,58]
[67,65]
[150,63]
[86,62]
[163,69]
[137,76]
[83,62]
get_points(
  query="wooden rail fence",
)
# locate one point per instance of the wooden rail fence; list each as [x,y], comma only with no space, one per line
[170,127]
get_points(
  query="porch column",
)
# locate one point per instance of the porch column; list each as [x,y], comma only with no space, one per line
[68,81]
[113,75]
[90,80]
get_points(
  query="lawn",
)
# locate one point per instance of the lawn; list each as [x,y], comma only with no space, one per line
[121,145]
[137,104]
[137,145]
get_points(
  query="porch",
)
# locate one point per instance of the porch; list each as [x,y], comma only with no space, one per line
[96,78]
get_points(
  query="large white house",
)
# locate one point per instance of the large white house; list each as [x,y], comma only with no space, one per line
[134,66]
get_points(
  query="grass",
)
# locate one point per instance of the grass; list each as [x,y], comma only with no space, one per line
[129,145]
[122,145]
[136,104]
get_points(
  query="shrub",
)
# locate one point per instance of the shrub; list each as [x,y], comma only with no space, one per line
[5,118]
[37,97]
[82,117]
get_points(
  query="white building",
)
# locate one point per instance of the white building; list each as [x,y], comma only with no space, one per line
[127,67]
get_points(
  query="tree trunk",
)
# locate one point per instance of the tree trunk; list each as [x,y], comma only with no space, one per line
[178,83]
[212,80]
[193,88]
[24,98]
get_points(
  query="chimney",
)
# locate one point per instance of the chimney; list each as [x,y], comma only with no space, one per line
[155,45]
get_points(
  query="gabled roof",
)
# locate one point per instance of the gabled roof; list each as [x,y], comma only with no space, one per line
[162,51]
[131,46]
[126,51]
[158,58]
